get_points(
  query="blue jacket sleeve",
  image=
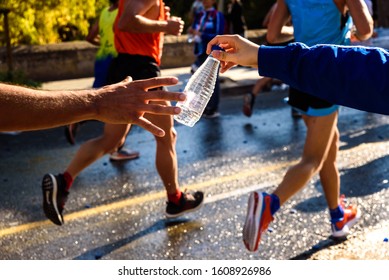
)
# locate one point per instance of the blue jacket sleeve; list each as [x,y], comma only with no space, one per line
[356,77]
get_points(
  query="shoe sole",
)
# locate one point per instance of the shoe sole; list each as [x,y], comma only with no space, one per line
[346,229]
[49,207]
[251,234]
[172,216]
[214,116]
[123,158]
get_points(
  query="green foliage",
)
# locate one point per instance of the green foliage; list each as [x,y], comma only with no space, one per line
[50,21]
[18,78]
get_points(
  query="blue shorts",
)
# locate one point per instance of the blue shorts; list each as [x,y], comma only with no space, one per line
[101,71]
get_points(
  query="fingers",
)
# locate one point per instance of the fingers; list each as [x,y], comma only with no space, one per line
[162,95]
[220,55]
[159,109]
[156,82]
[226,66]
[214,41]
[127,80]
[149,126]
[228,59]
[223,41]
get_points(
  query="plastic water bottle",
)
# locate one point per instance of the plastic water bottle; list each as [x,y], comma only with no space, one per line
[198,91]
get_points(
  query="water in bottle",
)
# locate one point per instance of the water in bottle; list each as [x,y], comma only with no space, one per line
[198,91]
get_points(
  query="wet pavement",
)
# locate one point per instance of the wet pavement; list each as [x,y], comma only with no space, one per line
[116,210]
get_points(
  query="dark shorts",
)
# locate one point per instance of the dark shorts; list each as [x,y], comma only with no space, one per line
[309,104]
[101,71]
[137,66]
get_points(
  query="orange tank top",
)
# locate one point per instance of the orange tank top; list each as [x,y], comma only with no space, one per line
[147,44]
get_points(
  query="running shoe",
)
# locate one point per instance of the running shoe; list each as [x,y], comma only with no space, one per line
[123,154]
[188,203]
[71,131]
[54,197]
[248,104]
[211,114]
[257,220]
[351,216]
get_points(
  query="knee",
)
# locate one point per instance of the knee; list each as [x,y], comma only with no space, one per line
[170,137]
[111,145]
[311,164]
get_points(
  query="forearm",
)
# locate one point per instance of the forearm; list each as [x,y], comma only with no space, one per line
[362,19]
[141,24]
[354,77]
[27,109]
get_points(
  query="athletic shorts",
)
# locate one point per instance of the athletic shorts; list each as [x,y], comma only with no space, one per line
[310,105]
[137,66]
[101,71]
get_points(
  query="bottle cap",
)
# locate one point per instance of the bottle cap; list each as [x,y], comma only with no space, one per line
[216,48]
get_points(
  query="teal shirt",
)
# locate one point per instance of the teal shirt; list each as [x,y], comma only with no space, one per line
[318,22]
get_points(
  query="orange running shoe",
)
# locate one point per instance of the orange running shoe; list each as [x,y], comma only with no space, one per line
[351,216]
[257,221]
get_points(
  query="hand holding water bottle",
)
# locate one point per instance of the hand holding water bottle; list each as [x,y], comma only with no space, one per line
[238,50]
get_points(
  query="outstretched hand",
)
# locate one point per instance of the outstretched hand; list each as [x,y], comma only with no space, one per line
[237,50]
[131,101]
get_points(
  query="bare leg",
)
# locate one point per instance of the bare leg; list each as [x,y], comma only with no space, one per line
[320,137]
[113,136]
[249,98]
[329,174]
[166,157]
[262,84]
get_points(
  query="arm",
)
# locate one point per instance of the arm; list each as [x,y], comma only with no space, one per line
[126,102]
[192,29]
[277,21]
[322,70]
[142,17]
[362,19]
[266,20]
[93,35]
[325,71]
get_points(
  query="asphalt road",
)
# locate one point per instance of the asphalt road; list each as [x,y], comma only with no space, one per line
[116,211]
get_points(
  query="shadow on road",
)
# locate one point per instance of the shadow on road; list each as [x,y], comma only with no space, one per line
[102,251]
[323,244]
[353,184]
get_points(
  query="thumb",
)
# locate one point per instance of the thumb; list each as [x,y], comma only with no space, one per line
[127,80]
[224,56]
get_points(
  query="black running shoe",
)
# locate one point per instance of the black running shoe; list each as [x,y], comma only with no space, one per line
[54,197]
[188,203]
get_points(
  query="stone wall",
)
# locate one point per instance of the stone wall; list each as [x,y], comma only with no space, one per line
[73,60]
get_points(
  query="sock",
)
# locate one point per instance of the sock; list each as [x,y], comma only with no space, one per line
[175,198]
[336,214]
[275,204]
[68,180]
